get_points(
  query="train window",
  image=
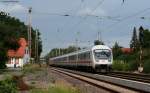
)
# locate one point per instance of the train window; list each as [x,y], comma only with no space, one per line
[72,57]
[84,56]
[81,56]
[102,54]
[64,59]
[88,55]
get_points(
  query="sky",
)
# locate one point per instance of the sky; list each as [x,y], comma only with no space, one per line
[63,22]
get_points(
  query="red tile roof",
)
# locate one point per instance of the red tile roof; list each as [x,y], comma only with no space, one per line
[20,51]
[126,50]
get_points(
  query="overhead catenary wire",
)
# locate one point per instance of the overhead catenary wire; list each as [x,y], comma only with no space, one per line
[84,18]
[128,17]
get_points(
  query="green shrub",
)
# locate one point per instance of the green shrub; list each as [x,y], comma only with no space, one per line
[8,86]
[147,66]
[117,65]
[133,65]
[126,67]
[31,68]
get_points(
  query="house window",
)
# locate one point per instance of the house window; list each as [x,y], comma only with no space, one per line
[26,51]
[9,61]
[17,61]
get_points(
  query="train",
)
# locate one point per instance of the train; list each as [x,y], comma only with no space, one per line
[98,58]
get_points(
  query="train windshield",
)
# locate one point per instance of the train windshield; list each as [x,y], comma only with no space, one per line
[102,54]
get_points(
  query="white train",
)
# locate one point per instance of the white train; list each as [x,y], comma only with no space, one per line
[98,58]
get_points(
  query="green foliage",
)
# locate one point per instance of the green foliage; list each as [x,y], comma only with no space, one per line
[8,86]
[120,66]
[134,43]
[117,65]
[130,62]
[146,39]
[31,68]
[116,51]
[146,60]
[3,58]
[147,66]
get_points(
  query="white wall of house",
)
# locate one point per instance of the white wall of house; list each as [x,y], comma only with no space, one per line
[13,61]
[10,63]
[19,61]
[26,58]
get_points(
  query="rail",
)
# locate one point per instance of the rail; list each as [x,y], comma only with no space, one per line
[96,81]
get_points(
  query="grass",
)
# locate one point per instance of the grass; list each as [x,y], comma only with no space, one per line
[8,85]
[53,86]
[56,89]
[31,68]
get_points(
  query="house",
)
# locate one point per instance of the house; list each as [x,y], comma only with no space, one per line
[126,50]
[19,57]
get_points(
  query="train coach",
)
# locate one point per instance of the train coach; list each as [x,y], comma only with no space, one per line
[98,58]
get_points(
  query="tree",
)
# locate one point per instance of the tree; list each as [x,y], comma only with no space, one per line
[11,29]
[116,50]
[141,36]
[144,37]
[134,43]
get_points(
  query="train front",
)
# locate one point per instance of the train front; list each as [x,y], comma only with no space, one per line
[102,58]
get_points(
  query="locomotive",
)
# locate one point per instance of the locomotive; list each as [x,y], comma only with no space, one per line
[98,58]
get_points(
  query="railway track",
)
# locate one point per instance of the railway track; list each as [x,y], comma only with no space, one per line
[131,76]
[96,81]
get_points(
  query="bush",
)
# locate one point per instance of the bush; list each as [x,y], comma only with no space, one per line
[117,65]
[3,58]
[146,66]
[31,68]
[120,65]
[8,86]
[133,65]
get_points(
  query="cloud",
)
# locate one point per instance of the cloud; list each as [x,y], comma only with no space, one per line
[89,11]
[12,8]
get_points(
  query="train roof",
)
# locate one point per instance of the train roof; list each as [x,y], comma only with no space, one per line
[84,50]
[100,47]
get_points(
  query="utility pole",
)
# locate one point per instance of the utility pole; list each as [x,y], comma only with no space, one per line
[36,47]
[29,31]
[140,68]
[98,37]
[141,36]
[76,51]
[59,52]
[56,52]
